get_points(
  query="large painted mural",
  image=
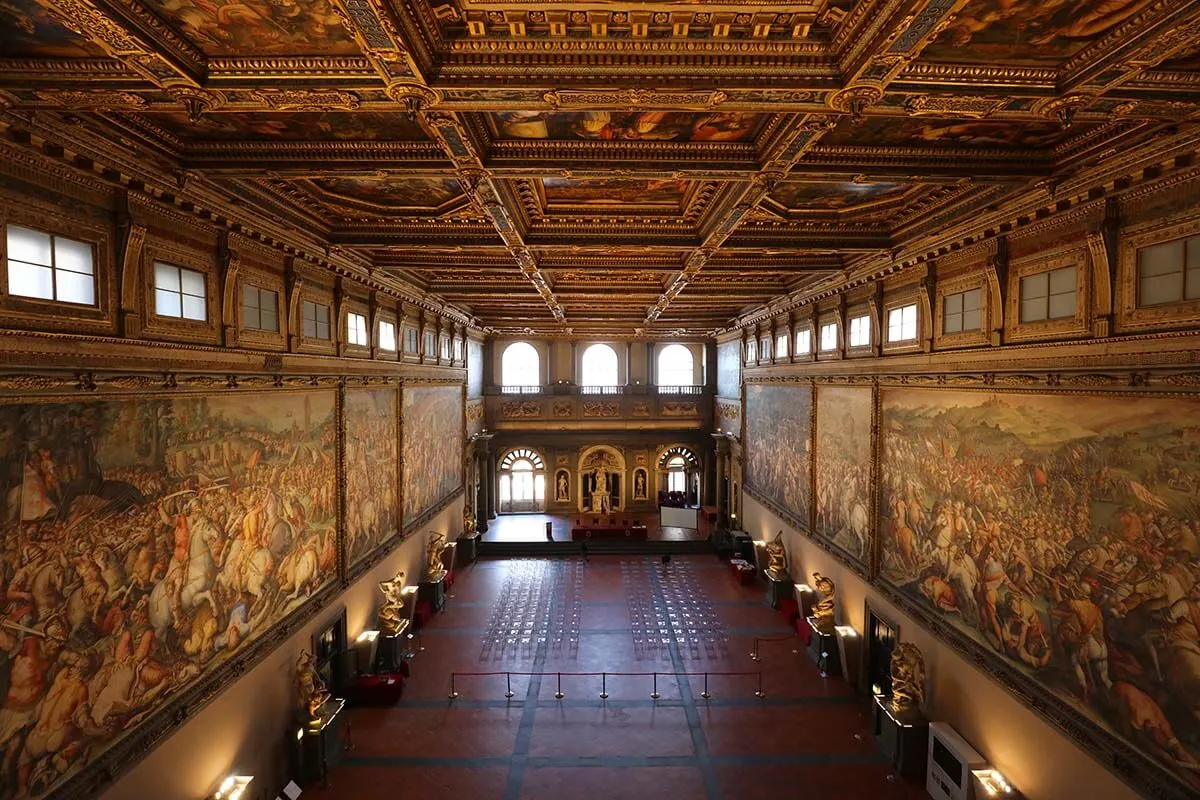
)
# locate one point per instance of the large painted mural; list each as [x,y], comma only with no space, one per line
[662,126]
[1061,533]
[778,437]
[371,516]
[145,542]
[254,27]
[433,443]
[843,454]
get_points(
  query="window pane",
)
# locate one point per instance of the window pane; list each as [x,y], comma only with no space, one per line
[166,303]
[829,336]
[28,245]
[250,317]
[73,255]
[1034,286]
[972,320]
[860,332]
[953,303]
[75,288]
[193,282]
[675,365]
[781,343]
[323,329]
[1192,291]
[1062,305]
[323,315]
[971,300]
[1033,310]
[166,277]
[539,488]
[952,323]
[310,328]
[250,295]
[600,366]
[194,308]
[1062,280]
[1160,259]
[1160,289]
[29,280]
[270,321]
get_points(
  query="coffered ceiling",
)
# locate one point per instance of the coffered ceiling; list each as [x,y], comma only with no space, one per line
[618,167]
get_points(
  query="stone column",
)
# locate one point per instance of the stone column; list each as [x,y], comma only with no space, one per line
[491,486]
[722,474]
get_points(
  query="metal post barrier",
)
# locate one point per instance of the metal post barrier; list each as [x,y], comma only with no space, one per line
[760,694]
[603,685]
[559,694]
[754,650]
[453,693]
[705,693]
[508,682]
[654,695]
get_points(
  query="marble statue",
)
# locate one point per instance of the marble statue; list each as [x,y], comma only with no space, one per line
[823,610]
[391,612]
[311,693]
[908,677]
[777,563]
[433,556]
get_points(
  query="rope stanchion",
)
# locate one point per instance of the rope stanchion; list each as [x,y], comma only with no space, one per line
[654,695]
[508,683]
[754,654]
[705,693]
[558,695]
[760,694]
[453,693]
[603,685]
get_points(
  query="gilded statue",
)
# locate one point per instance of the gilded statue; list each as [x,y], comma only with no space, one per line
[311,693]
[468,521]
[823,610]
[391,612]
[433,556]
[908,677]
[777,564]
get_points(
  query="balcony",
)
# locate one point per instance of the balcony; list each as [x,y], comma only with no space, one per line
[570,407]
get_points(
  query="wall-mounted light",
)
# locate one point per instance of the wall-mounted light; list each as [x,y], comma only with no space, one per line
[845,630]
[232,787]
[367,636]
[993,783]
[409,590]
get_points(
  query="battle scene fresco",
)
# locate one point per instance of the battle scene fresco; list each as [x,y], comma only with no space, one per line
[291,126]
[370,470]
[392,192]
[834,195]
[433,444]
[255,27]
[843,453]
[1061,533]
[1004,135]
[663,126]
[614,191]
[780,417]
[991,31]
[27,30]
[146,541]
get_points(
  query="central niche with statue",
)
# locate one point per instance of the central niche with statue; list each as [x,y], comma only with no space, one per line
[600,472]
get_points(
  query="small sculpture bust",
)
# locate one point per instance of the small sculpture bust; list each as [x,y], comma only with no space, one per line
[823,610]
[433,555]
[391,612]
[468,521]
[311,693]
[908,677]
[777,565]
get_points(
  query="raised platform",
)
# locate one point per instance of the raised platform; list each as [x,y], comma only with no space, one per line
[532,527]
[596,547]
[595,528]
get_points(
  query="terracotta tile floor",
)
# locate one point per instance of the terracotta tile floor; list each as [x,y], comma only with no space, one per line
[807,737]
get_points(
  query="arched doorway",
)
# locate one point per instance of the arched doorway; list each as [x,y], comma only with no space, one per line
[679,477]
[601,480]
[522,482]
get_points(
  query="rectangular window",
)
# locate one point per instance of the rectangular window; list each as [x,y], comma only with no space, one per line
[410,340]
[751,351]
[446,349]
[961,311]
[430,344]
[316,320]
[260,308]
[1048,295]
[458,350]
[356,329]
[50,267]
[764,349]
[1169,272]
[387,336]
[829,336]
[902,323]
[860,331]
[781,343]
[803,342]
[179,292]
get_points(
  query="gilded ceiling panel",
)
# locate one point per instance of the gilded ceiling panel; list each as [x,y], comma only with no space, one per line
[29,31]
[292,126]
[259,27]
[388,194]
[836,195]
[925,133]
[1027,31]
[620,192]
[663,126]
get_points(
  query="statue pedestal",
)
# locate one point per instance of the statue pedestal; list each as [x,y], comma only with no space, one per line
[468,546]
[779,588]
[433,589]
[390,651]
[823,648]
[903,736]
[319,742]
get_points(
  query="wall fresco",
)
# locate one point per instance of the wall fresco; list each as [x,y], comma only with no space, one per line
[778,440]
[433,443]
[370,470]
[843,453]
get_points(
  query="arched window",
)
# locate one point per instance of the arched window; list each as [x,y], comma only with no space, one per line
[520,368]
[675,366]
[522,481]
[679,471]
[600,367]
[677,475]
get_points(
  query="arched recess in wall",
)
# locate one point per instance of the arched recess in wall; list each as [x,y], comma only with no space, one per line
[522,476]
[600,367]
[675,367]
[520,367]
[678,476]
[601,480]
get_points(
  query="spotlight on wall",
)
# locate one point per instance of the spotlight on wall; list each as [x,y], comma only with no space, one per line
[233,787]
[367,636]
[993,783]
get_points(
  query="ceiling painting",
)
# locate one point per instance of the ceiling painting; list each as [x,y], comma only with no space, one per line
[979,134]
[835,195]
[258,27]
[27,30]
[660,126]
[390,193]
[614,191]
[1027,30]
[292,126]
